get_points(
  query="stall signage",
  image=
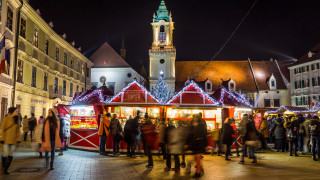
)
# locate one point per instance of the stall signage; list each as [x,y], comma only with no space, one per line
[134,96]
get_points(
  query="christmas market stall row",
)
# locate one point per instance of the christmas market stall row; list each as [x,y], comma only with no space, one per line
[86,109]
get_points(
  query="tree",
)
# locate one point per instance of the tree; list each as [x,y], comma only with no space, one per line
[161,89]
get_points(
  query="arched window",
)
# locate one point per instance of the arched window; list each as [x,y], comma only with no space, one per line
[162,28]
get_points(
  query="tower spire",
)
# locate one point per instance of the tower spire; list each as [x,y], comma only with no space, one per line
[162,13]
[123,49]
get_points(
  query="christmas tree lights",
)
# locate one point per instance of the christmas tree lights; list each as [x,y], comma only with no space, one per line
[161,89]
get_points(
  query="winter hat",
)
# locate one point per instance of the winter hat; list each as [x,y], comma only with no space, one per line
[316,117]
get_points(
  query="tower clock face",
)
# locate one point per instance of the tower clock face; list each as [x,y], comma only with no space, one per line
[162,36]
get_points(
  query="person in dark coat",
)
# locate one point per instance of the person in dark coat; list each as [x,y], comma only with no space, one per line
[292,126]
[314,131]
[131,130]
[198,141]
[301,131]
[116,133]
[32,124]
[279,133]
[227,139]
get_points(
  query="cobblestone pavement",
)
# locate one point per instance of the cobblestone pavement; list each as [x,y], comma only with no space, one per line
[76,164]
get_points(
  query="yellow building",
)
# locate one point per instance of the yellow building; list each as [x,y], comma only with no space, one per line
[49,70]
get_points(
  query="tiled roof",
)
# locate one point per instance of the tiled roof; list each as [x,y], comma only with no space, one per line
[239,71]
[263,71]
[216,71]
[106,56]
[305,58]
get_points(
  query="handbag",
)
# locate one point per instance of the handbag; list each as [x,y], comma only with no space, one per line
[120,135]
[253,144]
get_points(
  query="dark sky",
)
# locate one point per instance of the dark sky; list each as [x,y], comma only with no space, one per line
[281,29]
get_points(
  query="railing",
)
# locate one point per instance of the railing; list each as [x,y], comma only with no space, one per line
[155,50]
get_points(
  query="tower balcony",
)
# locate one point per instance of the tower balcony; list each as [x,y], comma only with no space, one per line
[162,49]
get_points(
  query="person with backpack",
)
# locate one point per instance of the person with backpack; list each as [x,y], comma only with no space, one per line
[116,133]
[314,131]
[32,124]
[292,133]
[104,132]
[301,132]
[10,128]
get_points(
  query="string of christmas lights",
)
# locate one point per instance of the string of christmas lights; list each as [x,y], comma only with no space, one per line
[130,84]
[192,83]
[232,96]
[288,109]
[84,100]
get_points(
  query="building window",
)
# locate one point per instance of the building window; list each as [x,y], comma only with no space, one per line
[297,102]
[23,28]
[20,71]
[231,86]
[208,86]
[47,47]
[57,53]
[272,83]
[65,57]
[34,76]
[71,63]
[267,103]
[45,81]
[55,85]
[162,28]
[64,88]
[9,18]
[71,89]
[78,66]
[303,100]
[35,38]
[276,102]
[82,89]
[77,89]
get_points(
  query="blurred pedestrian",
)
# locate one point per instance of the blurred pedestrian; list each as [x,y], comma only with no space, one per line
[264,133]
[10,136]
[216,138]
[314,130]
[198,142]
[235,137]
[301,132]
[38,138]
[242,130]
[40,120]
[161,138]
[32,124]
[61,133]
[66,131]
[131,131]
[103,132]
[148,135]
[306,140]
[25,127]
[50,136]
[250,139]
[116,133]
[227,132]
[279,133]
[292,126]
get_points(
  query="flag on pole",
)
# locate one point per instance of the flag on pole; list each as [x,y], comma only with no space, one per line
[3,61]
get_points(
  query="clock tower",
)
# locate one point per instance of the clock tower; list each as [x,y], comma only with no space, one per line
[162,53]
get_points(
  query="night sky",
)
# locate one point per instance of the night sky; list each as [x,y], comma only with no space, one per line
[281,29]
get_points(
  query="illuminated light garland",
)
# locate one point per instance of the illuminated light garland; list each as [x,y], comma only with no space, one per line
[230,95]
[286,108]
[85,98]
[130,84]
[198,88]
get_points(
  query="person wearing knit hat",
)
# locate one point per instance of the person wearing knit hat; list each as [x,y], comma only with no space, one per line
[50,136]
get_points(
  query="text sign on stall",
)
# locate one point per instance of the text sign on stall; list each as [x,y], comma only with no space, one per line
[134,96]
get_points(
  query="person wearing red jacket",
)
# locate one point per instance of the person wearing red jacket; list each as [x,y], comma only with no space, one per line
[235,136]
[149,137]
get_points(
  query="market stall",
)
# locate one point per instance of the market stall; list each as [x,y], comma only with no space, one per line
[134,97]
[284,111]
[84,116]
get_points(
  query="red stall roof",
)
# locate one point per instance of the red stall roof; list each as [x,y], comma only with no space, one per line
[192,94]
[100,95]
[134,93]
[227,98]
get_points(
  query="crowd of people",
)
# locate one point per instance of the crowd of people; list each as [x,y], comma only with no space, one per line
[47,134]
[294,134]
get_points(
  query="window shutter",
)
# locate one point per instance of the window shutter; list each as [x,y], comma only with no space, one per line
[308,68]
[296,85]
[302,83]
[297,101]
[312,66]
[317,65]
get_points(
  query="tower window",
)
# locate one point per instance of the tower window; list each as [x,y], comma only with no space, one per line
[161,61]
[162,28]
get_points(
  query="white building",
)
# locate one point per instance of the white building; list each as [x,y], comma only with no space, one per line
[110,68]
[305,79]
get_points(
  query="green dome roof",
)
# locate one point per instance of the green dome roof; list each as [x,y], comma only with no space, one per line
[162,13]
